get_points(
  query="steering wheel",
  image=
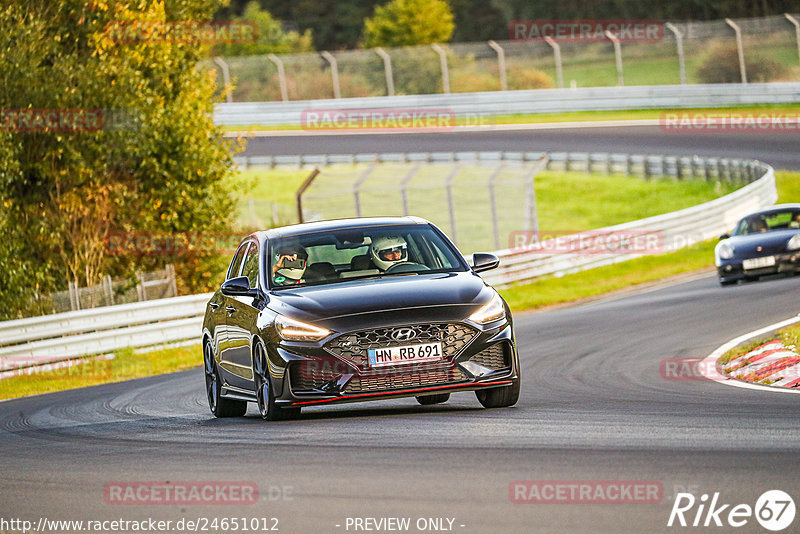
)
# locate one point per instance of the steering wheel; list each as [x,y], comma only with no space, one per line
[407,267]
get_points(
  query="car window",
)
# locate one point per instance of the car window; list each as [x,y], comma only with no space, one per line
[365,252]
[233,270]
[766,222]
[250,267]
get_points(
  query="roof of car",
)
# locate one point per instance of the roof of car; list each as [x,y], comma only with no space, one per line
[336,224]
[775,208]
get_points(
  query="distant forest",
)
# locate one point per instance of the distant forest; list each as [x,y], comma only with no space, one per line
[339,25]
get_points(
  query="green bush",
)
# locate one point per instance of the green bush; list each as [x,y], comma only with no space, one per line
[722,66]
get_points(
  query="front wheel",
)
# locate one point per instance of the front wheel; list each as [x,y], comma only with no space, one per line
[219,406]
[501,397]
[265,398]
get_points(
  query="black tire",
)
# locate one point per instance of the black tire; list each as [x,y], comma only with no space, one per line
[727,282]
[427,400]
[501,397]
[219,406]
[265,398]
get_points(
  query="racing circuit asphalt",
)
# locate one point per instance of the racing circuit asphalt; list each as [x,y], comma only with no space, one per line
[594,406]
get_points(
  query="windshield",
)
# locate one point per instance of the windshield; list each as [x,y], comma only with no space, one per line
[767,222]
[347,254]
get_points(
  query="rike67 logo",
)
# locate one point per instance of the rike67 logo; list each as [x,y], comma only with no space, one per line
[774,510]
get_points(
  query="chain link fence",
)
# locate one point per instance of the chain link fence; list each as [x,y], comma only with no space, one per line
[688,52]
[146,286]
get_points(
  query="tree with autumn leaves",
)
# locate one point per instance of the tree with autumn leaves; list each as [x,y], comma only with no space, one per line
[156,163]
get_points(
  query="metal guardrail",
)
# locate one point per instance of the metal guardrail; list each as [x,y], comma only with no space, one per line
[68,335]
[62,336]
[476,105]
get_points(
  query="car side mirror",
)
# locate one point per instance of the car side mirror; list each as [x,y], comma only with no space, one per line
[723,236]
[482,261]
[239,286]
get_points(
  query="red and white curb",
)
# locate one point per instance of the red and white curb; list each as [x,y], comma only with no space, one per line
[771,361]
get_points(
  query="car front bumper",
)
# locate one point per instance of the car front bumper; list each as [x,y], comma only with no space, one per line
[732,270]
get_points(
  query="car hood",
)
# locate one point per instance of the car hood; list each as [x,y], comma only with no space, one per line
[356,297]
[770,243]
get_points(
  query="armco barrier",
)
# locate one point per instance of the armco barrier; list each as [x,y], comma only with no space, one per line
[525,101]
[72,334]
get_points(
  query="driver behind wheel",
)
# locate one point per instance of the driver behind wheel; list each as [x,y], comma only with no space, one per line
[388,251]
[289,266]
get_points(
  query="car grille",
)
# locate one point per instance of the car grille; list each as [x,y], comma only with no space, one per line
[445,374]
[493,357]
[352,347]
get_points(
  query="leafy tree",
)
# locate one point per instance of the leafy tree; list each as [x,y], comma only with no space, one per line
[409,22]
[153,163]
[271,38]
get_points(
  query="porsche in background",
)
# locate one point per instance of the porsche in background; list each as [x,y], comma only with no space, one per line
[763,243]
[355,310]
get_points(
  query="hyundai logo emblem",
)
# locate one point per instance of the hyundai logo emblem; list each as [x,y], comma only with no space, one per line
[404,334]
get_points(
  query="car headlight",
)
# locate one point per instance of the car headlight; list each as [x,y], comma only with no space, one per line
[490,312]
[294,330]
[725,251]
[794,243]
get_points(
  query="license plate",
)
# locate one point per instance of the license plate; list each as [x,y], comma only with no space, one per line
[425,352]
[758,263]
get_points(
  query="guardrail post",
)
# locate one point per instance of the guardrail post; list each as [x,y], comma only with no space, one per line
[796,25]
[443,61]
[226,78]
[173,283]
[387,69]
[739,47]
[298,196]
[679,42]
[108,289]
[357,187]
[501,64]
[74,296]
[618,55]
[281,75]
[451,206]
[557,59]
[337,93]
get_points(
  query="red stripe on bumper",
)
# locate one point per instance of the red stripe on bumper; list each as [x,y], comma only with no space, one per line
[320,401]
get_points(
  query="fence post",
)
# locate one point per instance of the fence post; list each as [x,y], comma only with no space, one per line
[281,75]
[796,25]
[337,93]
[740,48]
[557,58]
[493,205]
[618,55]
[679,42]
[173,283]
[445,73]
[404,186]
[109,290]
[387,69]
[141,291]
[298,196]
[531,213]
[74,296]
[226,78]
[451,207]
[357,187]
[501,64]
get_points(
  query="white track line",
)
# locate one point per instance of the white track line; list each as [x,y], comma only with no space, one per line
[708,367]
